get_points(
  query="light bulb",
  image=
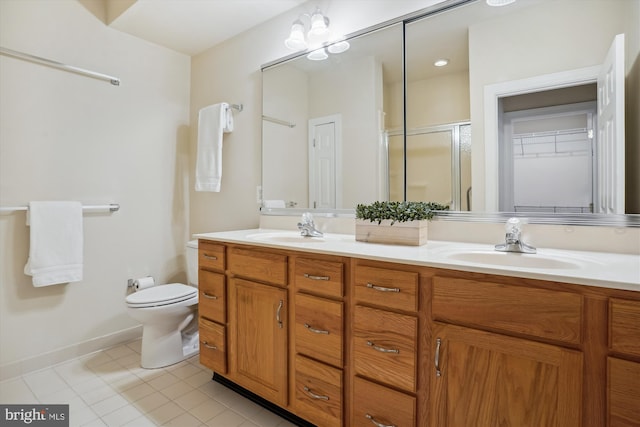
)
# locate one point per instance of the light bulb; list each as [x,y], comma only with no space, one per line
[318,55]
[296,37]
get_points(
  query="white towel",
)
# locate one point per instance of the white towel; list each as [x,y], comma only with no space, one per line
[212,122]
[55,250]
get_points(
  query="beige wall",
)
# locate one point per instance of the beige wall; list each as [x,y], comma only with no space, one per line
[231,72]
[68,137]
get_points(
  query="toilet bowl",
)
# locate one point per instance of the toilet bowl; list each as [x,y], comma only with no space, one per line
[168,314]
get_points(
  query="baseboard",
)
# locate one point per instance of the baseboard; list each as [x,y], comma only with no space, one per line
[63,354]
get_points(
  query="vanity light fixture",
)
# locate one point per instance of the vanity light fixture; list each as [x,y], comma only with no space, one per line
[316,38]
[441,62]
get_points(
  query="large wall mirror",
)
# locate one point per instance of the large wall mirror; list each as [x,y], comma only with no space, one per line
[514,122]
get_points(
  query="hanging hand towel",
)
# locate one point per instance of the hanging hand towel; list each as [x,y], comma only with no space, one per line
[55,250]
[212,122]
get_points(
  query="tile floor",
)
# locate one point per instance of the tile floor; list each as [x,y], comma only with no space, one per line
[109,388]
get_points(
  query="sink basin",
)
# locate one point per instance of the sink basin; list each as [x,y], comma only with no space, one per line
[287,237]
[511,259]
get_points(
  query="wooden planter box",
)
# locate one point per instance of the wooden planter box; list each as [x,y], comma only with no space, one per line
[411,233]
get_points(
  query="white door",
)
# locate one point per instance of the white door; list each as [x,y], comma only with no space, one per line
[609,196]
[324,170]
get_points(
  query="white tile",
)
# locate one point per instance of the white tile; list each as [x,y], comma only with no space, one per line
[248,424]
[266,418]
[227,418]
[109,404]
[15,391]
[165,413]
[138,392]
[121,416]
[135,346]
[163,381]
[61,396]
[95,423]
[90,385]
[142,421]
[44,382]
[94,396]
[213,389]
[74,372]
[230,398]
[191,399]
[126,382]
[184,420]
[81,415]
[119,351]
[246,408]
[199,379]
[207,410]
[151,402]
[94,360]
[176,390]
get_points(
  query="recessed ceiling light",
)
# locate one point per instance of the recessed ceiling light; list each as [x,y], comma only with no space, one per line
[441,62]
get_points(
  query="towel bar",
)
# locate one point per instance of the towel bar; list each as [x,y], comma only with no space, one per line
[113,207]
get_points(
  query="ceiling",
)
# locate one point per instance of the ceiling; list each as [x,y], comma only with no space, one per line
[192,26]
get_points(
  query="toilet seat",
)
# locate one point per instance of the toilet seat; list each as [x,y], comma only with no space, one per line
[161,295]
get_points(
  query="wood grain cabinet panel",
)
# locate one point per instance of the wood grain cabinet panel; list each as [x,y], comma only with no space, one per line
[484,379]
[393,289]
[211,256]
[319,276]
[373,403]
[385,346]
[212,298]
[624,326]
[263,266]
[319,329]
[318,392]
[623,393]
[213,346]
[554,315]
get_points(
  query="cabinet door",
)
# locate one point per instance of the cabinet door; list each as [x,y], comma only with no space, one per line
[623,393]
[485,379]
[258,352]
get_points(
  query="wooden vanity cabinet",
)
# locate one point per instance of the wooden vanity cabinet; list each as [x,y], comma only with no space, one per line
[623,364]
[212,305]
[352,342]
[318,339]
[384,344]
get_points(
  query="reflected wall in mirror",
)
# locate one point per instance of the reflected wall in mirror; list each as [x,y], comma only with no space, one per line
[324,140]
[454,114]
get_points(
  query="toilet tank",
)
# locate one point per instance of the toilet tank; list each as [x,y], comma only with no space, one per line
[192,262]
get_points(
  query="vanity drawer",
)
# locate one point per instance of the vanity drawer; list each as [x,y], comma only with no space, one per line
[260,265]
[319,276]
[386,287]
[623,392]
[374,404]
[543,313]
[210,255]
[318,392]
[213,346]
[385,346]
[212,299]
[319,330]
[624,326]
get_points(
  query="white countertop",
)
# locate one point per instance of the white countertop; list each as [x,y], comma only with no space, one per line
[601,269]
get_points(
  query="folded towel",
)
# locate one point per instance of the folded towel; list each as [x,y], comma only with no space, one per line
[55,250]
[212,122]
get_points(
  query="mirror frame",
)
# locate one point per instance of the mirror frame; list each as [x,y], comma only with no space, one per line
[586,219]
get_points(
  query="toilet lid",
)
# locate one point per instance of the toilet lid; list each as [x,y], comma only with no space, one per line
[161,295]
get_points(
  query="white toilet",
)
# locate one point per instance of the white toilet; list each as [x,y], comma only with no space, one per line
[169,317]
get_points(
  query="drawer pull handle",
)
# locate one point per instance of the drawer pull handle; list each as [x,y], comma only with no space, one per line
[206,344]
[312,277]
[211,257]
[382,288]
[382,349]
[437,358]
[314,330]
[377,423]
[278,311]
[209,296]
[313,395]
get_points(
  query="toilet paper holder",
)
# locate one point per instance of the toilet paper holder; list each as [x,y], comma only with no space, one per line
[132,284]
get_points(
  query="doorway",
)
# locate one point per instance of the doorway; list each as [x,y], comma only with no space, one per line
[325,165]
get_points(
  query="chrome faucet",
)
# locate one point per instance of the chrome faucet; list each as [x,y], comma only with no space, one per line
[307,227]
[513,239]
